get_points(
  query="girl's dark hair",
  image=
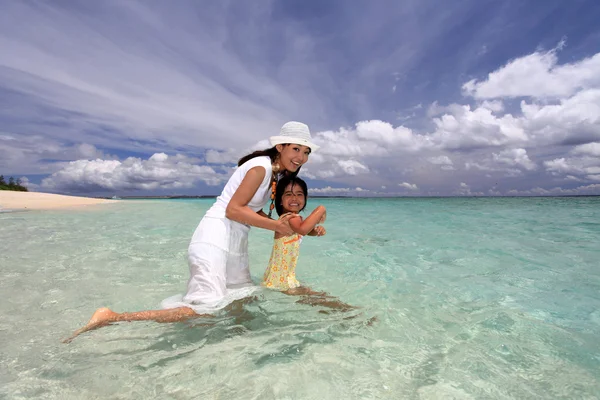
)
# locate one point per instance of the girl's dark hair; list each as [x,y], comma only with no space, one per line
[272,153]
[282,184]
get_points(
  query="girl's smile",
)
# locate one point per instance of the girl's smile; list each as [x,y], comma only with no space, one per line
[293,199]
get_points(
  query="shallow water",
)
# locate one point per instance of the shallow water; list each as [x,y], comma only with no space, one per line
[474,298]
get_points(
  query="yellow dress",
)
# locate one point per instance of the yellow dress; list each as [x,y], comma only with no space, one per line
[281,272]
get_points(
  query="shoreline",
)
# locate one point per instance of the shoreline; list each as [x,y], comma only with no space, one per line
[33,201]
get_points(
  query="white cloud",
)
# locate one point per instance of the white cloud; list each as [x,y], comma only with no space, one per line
[370,138]
[496,106]
[355,151]
[592,189]
[409,186]
[319,174]
[171,80]
[537,75]
[465,190]
[560,165]
[515,158]
[177,84]
[589,149]
[345,143]
[24,181]
[467,129]
[352,167]
[580,168]
[229,156]
[337,191]
[440,160]
[160,171]
[574,120]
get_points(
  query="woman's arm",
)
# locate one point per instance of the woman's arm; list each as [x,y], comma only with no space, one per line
[304,227]
[262,213]
[238,210]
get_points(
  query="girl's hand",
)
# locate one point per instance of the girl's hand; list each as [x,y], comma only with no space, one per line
[283,225]
[320,230]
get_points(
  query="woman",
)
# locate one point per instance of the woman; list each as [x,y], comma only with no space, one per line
[218,252]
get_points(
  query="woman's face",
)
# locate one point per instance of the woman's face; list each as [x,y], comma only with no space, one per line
[292,156]
[293,198]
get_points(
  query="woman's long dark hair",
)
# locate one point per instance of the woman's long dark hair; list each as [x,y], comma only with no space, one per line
[272,153]
[282,184]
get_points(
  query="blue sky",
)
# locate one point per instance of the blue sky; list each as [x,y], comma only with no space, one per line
[410,98]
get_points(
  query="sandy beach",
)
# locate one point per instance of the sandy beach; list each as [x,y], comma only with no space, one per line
[10,200]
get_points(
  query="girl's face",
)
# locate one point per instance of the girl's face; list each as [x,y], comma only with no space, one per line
[293,198]
[292,156]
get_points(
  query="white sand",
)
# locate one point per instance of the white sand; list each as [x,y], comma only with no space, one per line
[10,200]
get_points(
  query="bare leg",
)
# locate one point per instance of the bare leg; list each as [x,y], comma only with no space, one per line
[304,291]
[104,316]
[318,299]
[330,302]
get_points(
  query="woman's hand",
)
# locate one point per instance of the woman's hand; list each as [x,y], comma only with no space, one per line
[283,225]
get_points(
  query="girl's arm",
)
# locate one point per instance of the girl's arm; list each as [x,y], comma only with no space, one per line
[238,210]
[304,227]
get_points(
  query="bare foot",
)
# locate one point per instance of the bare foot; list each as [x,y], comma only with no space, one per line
[102,317]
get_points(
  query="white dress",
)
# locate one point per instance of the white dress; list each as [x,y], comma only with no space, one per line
[218,251]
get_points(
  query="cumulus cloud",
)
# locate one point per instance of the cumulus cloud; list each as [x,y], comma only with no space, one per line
[331,191]
[370,138]
[471,129]
[352,167]
[557,191]
[496,106]
[537,75]
[440,160]
[589,149]
[465,190]
[356,151]
[229,156]
[86,90]
[409,186]
[515,158]
[573,121]
[160,171]
[581,164]
[584,168]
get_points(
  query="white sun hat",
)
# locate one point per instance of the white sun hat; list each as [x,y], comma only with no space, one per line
[295,133]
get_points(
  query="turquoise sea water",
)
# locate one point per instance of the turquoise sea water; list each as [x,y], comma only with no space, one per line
[483,298]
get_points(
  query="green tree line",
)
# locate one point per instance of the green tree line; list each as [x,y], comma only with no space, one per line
[12,184]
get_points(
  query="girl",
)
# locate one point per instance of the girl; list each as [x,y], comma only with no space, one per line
[290,198]
[218,252]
